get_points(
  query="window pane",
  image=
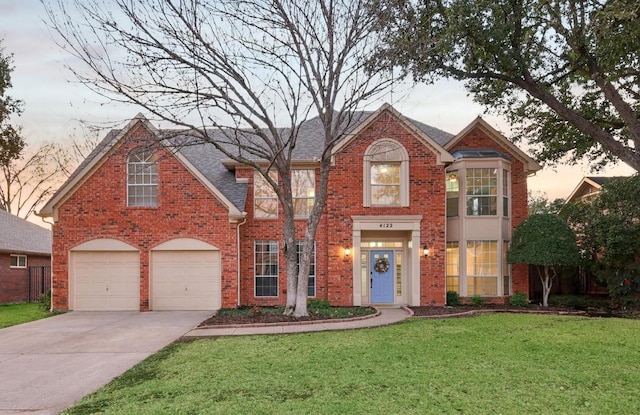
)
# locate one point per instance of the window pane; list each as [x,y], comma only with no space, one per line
[452,187]
[453,266]
[481,190]
[142,178]
[266,268]
[385,184]
[265,204]
[482,267]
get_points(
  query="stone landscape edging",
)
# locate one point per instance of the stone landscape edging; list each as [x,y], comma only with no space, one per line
[472,313]
[290,323]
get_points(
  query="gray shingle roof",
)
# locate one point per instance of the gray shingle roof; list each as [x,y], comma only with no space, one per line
[22,237]
[208,160]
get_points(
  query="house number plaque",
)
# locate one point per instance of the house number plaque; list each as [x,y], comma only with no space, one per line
[386,225]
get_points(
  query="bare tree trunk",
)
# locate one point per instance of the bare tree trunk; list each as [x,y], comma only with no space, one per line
[547,283]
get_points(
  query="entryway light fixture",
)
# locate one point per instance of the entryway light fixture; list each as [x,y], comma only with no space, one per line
[425,251]
[347,251]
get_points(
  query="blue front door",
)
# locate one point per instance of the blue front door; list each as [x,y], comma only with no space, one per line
[381,277]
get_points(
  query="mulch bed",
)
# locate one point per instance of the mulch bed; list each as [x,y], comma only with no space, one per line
[269,318]
[467,310]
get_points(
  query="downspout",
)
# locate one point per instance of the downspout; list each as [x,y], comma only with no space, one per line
[51,261]
[238,257]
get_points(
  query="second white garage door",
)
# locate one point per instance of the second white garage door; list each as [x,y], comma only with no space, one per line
[185,280]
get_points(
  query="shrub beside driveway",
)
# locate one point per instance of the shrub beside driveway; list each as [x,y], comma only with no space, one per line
[497,363]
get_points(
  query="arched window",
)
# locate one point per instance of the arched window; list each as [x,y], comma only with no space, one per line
[386,174]
[142,178]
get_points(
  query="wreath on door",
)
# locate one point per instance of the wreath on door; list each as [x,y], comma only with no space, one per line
[381,265]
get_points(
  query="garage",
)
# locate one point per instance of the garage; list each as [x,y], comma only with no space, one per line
[105,280]
[185,275]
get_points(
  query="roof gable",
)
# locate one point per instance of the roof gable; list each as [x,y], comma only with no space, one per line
[101,153]
[530,165]
[588,187]
[429,136]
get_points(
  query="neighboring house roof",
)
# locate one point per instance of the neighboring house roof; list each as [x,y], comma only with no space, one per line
[530,165]
[588,187]
[22,237]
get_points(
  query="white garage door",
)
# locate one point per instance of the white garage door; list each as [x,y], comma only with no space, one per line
[185,280]
[106,280]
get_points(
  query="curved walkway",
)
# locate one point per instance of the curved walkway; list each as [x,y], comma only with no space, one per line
[385,317]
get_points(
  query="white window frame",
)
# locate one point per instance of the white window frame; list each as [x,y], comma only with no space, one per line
[481,196]
[479,270]
[145,178]
[306,195]
[273,252]
[373,156]
[18,258]
[270,192]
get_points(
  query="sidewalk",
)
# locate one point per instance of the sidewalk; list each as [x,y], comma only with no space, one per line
[385,317]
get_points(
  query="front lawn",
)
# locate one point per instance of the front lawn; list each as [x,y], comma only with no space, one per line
[12,314]
[490,364]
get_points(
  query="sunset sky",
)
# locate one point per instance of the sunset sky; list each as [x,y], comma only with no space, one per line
[55,104]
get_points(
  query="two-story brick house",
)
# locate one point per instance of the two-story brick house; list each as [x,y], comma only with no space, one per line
[411,213]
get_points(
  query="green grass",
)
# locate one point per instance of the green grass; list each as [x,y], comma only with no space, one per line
[12,314]
[490,364]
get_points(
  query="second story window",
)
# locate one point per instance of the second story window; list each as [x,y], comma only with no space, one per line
[453,191]
[142,178]
[481,191]
[303,186]
[386,174]
[265,200]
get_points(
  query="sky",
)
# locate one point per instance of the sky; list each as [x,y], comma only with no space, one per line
[56,105]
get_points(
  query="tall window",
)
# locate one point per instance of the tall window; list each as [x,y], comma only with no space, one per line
[482,187]
[482,267]
[303,186]
[453,190]
[386,174]
[453,266]
[505,193]
[265,200]
[506,270]
[311,290]
[266,268]
[142,178]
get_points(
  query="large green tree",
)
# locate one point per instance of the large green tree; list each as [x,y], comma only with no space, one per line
[547,241]
[11,142]
[566,73]
[608,229]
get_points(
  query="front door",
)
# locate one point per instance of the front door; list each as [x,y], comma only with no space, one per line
[381,277]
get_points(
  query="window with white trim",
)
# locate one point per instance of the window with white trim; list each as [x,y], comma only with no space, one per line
[303,187]
[386,175]
[482,268]
[481,191]
[453,266]
[266,268]
[18,261]
[142,178]
[505,193]
[453,192]
[311,290]
[265,199]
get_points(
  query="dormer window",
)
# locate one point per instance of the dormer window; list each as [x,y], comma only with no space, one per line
[142,178]
[386,174]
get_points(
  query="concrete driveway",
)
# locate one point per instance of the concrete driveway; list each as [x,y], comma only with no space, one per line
[47,365]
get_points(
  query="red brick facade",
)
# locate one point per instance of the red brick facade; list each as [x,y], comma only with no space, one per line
[96,208]
[14,282]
